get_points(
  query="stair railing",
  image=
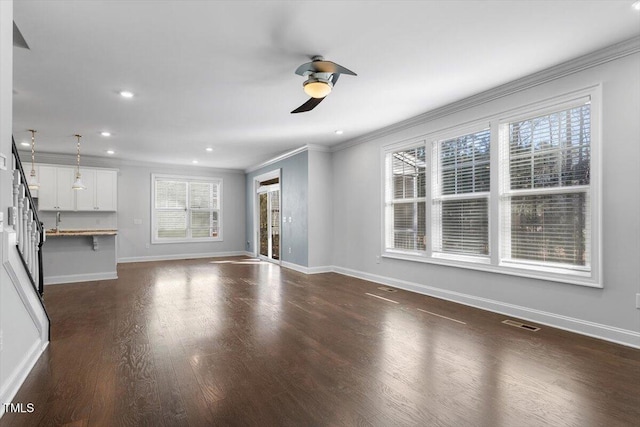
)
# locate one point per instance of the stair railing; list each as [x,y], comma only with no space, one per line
[29,230]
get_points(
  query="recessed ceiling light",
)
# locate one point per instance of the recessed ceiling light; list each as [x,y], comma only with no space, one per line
[209,149]
[339,132]
[126,94]
[26,144]
[111,152]
[194,161]
[105,133]
[636,5]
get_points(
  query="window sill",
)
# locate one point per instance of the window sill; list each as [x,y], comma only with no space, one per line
[482,264]
[199,240]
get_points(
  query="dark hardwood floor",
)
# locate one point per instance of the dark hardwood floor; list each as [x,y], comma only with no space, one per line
[230,342]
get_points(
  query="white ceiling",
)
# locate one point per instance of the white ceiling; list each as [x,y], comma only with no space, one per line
[221,73]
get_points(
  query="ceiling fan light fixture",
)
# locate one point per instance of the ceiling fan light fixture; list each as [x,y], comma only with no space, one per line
[317,88]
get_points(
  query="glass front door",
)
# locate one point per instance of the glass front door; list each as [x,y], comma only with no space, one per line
[269,237]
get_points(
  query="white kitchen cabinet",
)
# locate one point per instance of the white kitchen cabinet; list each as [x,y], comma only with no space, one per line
[55,193]
[101,190]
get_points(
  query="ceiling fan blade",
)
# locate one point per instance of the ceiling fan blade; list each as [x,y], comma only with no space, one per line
[308,106]
[323,67]
[18,40]
[330,67]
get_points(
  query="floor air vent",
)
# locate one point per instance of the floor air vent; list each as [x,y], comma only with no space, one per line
[521,325]
[384,288]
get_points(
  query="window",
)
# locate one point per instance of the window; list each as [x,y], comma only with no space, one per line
[186,209]
[460,195]
[405,200]
[514,195]
[545,193]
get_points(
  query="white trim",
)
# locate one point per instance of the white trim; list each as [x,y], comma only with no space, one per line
[584,327]
[599,57]
[287,154]
[276,159]
[59,159]
[495,262]
[155,240]
[20,280]
[75,278]
[173,257]
[17,378]
[550,276]
[255,199]
[307,270]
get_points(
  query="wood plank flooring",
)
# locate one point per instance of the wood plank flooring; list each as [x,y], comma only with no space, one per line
[235,342]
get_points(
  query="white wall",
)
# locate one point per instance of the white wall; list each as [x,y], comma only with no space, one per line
[609,312]
[22,320]
[320,209]
[134,202]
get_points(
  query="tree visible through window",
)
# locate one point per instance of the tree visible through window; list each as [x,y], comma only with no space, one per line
[547,189]
[461,184]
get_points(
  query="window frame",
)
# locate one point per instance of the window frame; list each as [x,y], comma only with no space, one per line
[494,262]
[187,179]
[436,194]
[388,150]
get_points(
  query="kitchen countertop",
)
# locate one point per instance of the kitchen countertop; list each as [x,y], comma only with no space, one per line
[71,233]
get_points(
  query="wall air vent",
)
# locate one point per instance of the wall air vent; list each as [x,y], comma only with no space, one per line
[521,325]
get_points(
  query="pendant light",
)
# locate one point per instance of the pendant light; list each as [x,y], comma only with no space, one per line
[78,185]
[32,181]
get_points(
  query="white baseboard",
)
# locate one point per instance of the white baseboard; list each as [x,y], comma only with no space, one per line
[596,330]
[306,270]
[15,380]
[181,256]
[75,278]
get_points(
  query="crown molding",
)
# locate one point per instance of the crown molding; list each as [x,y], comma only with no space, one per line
[112,162]
[599,57]
[286,155]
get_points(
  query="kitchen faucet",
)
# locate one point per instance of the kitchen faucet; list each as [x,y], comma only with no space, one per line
[58,220]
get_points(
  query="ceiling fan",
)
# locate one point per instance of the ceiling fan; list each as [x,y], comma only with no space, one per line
[322,77]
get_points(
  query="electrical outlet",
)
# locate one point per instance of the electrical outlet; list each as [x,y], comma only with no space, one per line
[137,221]
[637,300]
[147,246]
[377,259]
[1,340]
[289,249]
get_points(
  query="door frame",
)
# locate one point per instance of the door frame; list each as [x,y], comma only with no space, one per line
[276,173]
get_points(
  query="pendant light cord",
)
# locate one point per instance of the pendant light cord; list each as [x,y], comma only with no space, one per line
[78,156]
[33,152]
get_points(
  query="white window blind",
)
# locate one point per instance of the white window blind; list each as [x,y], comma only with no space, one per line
[545,189]
[186,209]
[515,193]
[405,199]
[460,194]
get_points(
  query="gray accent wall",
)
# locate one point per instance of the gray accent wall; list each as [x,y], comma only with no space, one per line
[294,186]
[357,202]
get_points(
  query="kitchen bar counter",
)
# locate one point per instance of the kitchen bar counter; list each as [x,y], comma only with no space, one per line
[62,233]
[76,255]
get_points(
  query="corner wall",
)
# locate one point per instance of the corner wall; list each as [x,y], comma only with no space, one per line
[294,188]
